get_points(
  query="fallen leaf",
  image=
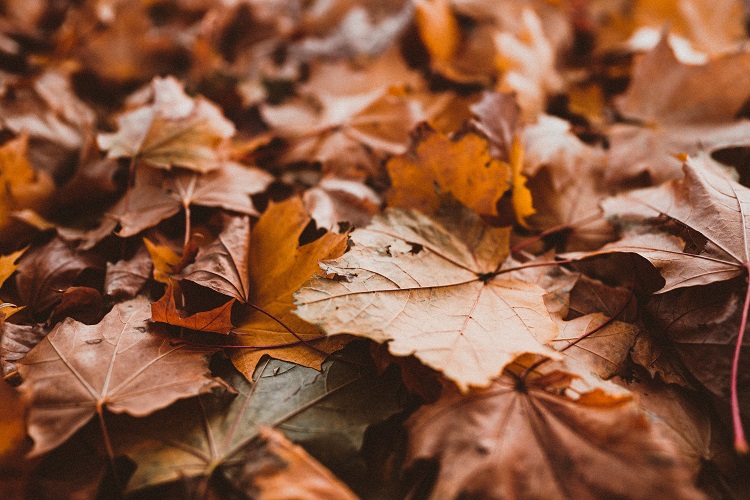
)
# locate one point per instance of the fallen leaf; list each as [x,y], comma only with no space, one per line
[156,196]
[165,128]
[433,289]
[297,476]
[16,341]
[523,439]
[120,364]
[45,272]
[12,425]
[527,64]
[23,187]
[437,164]
[344,133]
[705,201]
[211,435]
[335,200]
[125,278]
[82,303]
[275,266]
[685,418]
[218,320]
[682,108]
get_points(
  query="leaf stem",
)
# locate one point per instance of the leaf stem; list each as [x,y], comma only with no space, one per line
[556,229]
[186,206]
[740,442]
[534,264]
[296,335]
[108,443]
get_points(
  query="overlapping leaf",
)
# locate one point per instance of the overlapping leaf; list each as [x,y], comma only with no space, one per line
[434,289]
[120,364]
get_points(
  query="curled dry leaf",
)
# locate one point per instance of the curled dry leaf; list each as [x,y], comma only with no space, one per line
[264,268]
[284,471]
[520,438]
[705,201]
[683,108]
[165,310]
[435,289]
[335,200]
[120,364]
[45,272]
[165,128]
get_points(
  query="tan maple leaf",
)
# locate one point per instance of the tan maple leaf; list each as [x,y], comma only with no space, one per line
[434,289]
[121,364]
[165,128]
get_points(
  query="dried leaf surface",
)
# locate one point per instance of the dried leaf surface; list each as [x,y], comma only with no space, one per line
[511,440]
[165,128]
[432,290]
[120,364]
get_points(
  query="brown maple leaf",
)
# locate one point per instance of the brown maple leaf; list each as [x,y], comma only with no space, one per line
[522,438]
[263,268]
[434,289]
[121,364]
[156,196]
[713,207]
[23,186]
[165,128]
[344,131]
[681,108]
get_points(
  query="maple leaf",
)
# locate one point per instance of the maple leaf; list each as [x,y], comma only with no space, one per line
[433,289]
[264,268]
[211,436]
[681,109]
[165,128]
[23,187]
[459,165]
[705,201]
[120,364]
[521,438]
[713,205]
[156,196]
[344,131]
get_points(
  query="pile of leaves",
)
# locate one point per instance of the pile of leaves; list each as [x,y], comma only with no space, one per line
[340,248]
